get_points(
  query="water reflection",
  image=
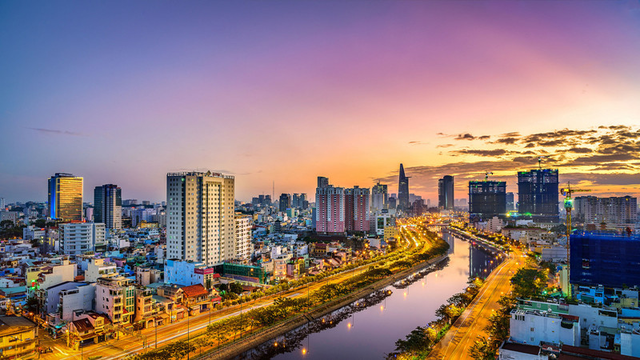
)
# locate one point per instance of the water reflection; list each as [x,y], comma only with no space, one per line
[369,330]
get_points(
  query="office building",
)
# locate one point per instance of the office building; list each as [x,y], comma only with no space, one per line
[613,212]
[65,197]
[604,259]
[487,199]
[285,202]
[445,193]
[392,202]
[538,195]
[403,190]
[379,197]
[200,217]
[77,238]
[107,201]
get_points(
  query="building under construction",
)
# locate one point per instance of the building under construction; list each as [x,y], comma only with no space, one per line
[538,195]
[487,199]
[609,260]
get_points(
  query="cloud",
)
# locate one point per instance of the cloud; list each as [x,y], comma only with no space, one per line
[493,152]
[444,146]
[465,136]
[57,132]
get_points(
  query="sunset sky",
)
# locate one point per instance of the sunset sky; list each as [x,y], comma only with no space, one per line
[283,91]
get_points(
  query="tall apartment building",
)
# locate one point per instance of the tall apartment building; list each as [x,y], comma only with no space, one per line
[65,197]
[538,195]
[487,199]
[200,217]
[77,238]
[445,193]
[339,209]
[379,197]
[616,212]
[356,209]
[243,237]
[107,201]
[329,207]
[511,203]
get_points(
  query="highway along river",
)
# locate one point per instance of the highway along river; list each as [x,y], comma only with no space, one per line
[370,328]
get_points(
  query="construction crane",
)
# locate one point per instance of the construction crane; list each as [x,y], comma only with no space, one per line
[486,175]
[540,158]
[568,206]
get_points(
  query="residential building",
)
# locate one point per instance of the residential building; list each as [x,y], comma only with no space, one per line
[403,190]
[243,237]
[17,338]
[329,216]
[487,199]
[77,238]
[445,193]
[108,206]
[538,195]
[613,212]
[200,217]
[189,273]
[65,197]
[356,208]
[79,297]
[98,268]
[115,297]
[144,308]
[511,204]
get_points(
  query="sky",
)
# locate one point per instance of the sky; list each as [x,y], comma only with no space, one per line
[284,91]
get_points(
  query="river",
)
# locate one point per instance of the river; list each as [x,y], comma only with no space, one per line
[370,332]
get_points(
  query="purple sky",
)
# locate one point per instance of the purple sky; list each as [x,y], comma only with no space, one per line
[124,92]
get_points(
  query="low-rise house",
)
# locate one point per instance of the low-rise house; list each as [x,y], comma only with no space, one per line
[17,338]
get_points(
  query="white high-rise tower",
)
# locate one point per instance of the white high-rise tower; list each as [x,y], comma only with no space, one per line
[200,217]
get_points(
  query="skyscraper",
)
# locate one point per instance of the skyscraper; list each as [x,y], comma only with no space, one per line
[285,202]
[538,195]
[403,190]
[511,204]
[445,193]
[379,197]
[200,217]
[107,201]
[65,197]
[487,199]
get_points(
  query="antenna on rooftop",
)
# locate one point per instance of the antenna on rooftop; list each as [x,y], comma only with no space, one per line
[540,158]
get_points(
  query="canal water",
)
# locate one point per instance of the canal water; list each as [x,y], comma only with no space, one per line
[371,332]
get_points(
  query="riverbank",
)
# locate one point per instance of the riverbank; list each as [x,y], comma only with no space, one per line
[234,349]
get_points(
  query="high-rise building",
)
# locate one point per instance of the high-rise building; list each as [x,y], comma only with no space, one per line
[487,199]
[330,205]
[107,200]
[605,259]
[304,202]
[392,202]
[615,212]
[77,238]
[445,193]
[356,209]
[200,217]
[379,197]
[243,237]
[403,190]
[511,204]
[285,202]
[538,195]
[65,197]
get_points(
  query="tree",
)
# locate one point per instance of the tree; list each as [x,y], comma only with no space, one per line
[235,288]
[528,283]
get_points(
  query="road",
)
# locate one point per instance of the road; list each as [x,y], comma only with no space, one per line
[472,323]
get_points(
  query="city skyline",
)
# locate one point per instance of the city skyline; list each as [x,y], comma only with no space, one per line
[259,90]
